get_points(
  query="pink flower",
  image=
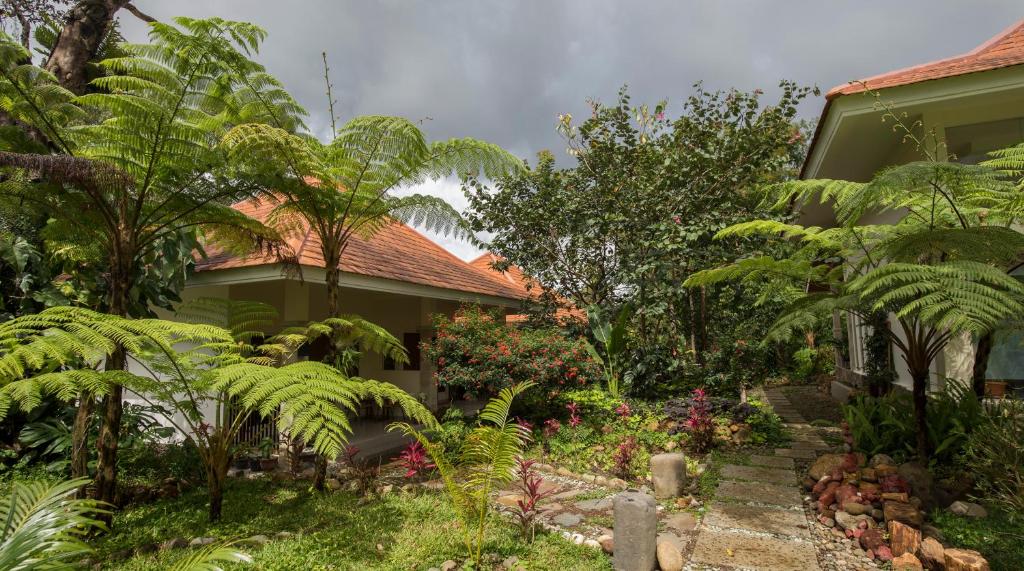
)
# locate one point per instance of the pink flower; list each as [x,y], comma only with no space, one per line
[624,411]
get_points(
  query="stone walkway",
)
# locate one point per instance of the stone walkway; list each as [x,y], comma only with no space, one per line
[757,520]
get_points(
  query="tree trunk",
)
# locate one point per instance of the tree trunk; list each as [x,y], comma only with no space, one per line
[80,436]
[921,413]
[981,356]
[216,474]
[112,404]
[86,25]
[333,302]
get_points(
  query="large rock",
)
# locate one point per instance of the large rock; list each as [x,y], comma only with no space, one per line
[824,465]
[965,560]
[854,507]
[920,480]
[967,509]
[906,562]
[906,513]
[880,459]
[872,539]
[670,558]
[636,531]
[607,543]
[903,538]
[851,522]
[668,471]
[932,554]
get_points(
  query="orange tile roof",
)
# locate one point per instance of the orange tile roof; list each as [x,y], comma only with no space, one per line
[1004,50]
[514,275]
[396,252]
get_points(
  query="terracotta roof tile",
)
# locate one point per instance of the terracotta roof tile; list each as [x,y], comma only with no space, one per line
[514,275]
[396,252]
[1004,50]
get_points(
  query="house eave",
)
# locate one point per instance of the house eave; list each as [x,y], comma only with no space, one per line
[274,272]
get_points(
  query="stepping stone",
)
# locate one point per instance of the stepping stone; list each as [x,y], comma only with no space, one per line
[776,521]
[599,504]
[802,454]
[567,519]
[772,461]
[726,549]
[682,521]
[760,492]
[808,445]
[759,474]
[567,495]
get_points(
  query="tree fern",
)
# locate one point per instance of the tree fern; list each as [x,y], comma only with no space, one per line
[486,462]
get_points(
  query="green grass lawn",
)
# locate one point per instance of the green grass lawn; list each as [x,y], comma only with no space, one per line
[335,531]
[998,537]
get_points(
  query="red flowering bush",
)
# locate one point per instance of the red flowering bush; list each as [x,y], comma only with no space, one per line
[478,352]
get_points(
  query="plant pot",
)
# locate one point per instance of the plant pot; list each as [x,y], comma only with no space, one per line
[254,464]
[241,463]
[996,389]
[268,464]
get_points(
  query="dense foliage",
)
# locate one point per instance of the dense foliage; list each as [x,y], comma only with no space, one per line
[477,353]
[635,216]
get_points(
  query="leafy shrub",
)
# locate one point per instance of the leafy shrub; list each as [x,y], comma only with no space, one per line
[477,352]
[624,456]
[700,424]
[809,363]
[886,424]
[995,455]
[765,426]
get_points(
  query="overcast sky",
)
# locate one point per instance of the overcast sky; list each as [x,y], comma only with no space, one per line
[502,70]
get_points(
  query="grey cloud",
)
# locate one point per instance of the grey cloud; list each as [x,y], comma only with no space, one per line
[502,70]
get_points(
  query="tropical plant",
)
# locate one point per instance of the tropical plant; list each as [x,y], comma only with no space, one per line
[44,526]
[309,399]
[612,337]
[348,187]
[995,455]
[487,461]
[939,269]
[131,171]
[530,488]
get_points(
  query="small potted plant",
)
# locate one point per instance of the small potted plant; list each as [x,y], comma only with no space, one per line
[268,462]
[996,389]
[240,457]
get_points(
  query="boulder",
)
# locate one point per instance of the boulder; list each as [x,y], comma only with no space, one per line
[920,480]
[176,543]
[202,541]
[883,470]
[854,507]
[880,459]
[903,538]
[824,465]
[906,562]
[607,543]
[449,565]
[868,475]
[932,554]
[884,553]
[965,560]
[851,522]
[872,539]
[967,509]
[846,493]
[899,511]
[670,558]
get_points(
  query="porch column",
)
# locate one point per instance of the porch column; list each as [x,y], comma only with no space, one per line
[428,307]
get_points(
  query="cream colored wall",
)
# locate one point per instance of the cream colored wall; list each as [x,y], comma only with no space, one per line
[855,144]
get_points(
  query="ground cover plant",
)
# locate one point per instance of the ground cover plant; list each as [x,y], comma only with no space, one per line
[393,532]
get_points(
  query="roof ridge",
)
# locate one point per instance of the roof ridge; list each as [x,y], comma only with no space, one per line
[997,39]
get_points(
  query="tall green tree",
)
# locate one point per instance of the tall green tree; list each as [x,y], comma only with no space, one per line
[132,170]
[350,186]
[636,212]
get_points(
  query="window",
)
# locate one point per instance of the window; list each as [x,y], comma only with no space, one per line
[411,342]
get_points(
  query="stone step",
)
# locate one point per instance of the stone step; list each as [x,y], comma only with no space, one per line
[802,454]
[758,474]
[772,461]
[776,521]
[759,492]
[743,550]
[808,445]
